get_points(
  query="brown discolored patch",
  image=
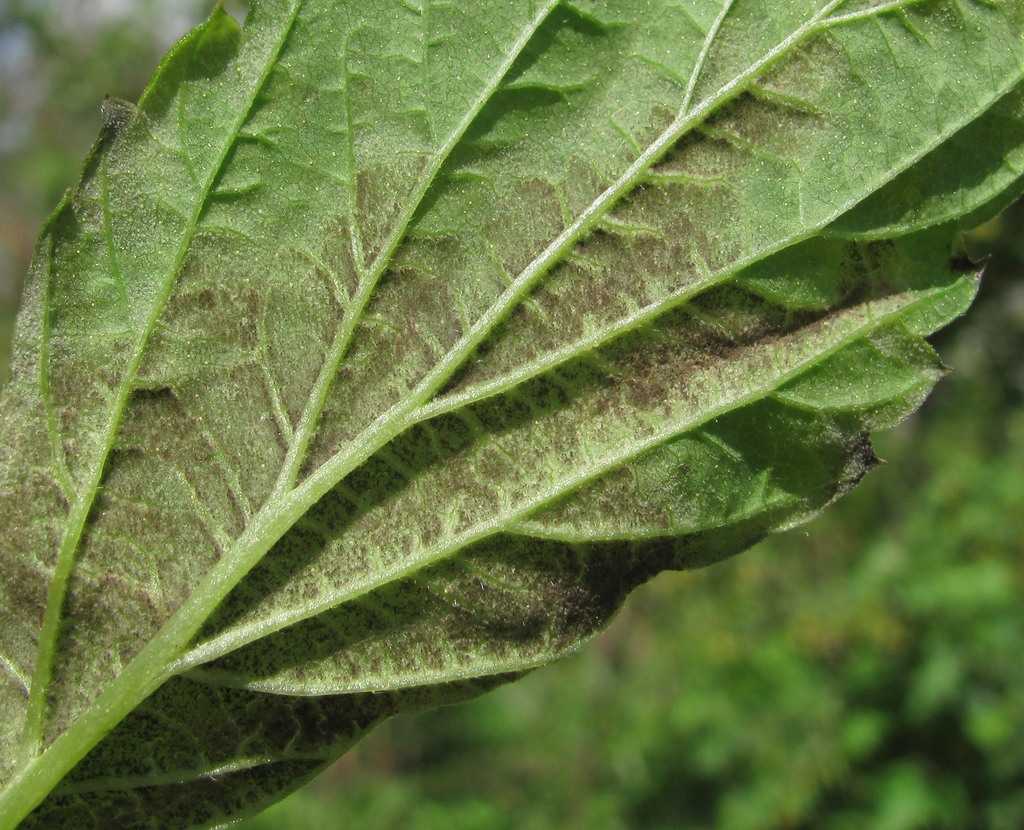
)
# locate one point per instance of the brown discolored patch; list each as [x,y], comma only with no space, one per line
[526,221]
[700,156]
[382,193]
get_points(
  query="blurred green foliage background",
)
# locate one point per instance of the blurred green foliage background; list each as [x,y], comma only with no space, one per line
[865,671]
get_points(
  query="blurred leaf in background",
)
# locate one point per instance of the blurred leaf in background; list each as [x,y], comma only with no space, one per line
[864,671]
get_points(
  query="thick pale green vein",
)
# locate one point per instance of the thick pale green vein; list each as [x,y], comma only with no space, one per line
[526,526]
[709,41]
[368,282]
[873,11]
[124,783]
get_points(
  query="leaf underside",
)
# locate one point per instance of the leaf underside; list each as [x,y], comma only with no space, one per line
[386,346]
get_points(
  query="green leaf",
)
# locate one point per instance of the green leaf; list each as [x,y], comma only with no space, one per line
[385,347]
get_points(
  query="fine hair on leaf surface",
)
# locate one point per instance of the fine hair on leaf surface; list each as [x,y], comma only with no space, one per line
[384,347]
